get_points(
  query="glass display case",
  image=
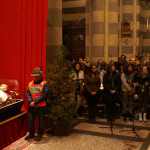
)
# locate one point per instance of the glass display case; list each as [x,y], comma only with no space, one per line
[10,98]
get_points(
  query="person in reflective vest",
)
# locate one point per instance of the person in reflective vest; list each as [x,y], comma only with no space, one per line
[36,95]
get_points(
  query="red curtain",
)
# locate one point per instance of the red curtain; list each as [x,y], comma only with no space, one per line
[23,28]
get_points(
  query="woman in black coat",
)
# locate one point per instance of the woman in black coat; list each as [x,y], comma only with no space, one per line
[112,85]
[92,85]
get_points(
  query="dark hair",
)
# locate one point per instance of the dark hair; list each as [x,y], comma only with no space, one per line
[124,56]
[125,68]
[75,66]
[109,69]
[91,72]
[148,68]
[102,65]
[136,69]
[80,58]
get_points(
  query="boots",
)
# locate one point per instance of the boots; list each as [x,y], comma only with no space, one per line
[144,117]
[140,117]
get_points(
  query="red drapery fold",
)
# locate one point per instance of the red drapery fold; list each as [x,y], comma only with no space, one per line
[23,28]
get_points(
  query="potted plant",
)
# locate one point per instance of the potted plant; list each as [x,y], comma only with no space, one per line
[62,105]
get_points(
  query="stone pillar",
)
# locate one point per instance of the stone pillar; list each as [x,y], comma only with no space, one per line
[102,29]
[88,33]
[54,29]
[106,32]
[97,29]
[120,19]
[112,30]
[87,29]
[134,27]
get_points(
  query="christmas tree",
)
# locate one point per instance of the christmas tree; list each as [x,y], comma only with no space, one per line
[62,104]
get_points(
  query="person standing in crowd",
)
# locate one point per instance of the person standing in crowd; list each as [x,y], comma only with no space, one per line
[125,57]
[133,62]
[100,65]
[36,95]
[78,78]
[73,63]
[85,60]
[87,67]
[142,87]
[112,85]
[127,91]
[118,64]
[92,85]
[82,64]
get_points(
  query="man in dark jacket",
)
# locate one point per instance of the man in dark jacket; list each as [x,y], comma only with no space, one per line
[36,95]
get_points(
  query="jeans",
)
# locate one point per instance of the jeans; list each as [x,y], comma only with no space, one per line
[127,102]
[33,112]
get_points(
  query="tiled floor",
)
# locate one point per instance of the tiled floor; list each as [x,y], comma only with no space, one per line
[89,136]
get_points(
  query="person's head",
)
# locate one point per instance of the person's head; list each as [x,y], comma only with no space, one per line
[80,60]
[111,68]
[93,71]
[85,59]
[123,60]
[93,68]
[88,64]
[100,62]
[145,69]
[136,71]
[140,59]
[133,61]
[3,87]
[77,66]
[130,68]
[127,68]
[37,74]
[119,60]
[124,56]
[121,68]
[73,61]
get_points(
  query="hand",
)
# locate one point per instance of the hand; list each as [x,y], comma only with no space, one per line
[93,93]
[32,104]
[112,91]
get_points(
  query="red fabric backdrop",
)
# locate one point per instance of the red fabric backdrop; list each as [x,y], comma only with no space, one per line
[23,28]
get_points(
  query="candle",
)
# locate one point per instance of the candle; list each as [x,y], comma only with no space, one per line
[147,22]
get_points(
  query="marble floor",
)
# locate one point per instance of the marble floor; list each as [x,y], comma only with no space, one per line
[98,135]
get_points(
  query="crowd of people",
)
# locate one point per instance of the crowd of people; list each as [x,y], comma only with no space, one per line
[120,82]
[116,82]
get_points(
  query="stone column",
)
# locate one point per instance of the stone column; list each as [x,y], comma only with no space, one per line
[97,29]
[134,27]
[54,29]
[106,32]
[112,26]
[120,19]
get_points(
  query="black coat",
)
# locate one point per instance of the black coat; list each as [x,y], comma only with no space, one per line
[111,82]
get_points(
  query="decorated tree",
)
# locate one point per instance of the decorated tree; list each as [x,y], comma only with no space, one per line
[62,104]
